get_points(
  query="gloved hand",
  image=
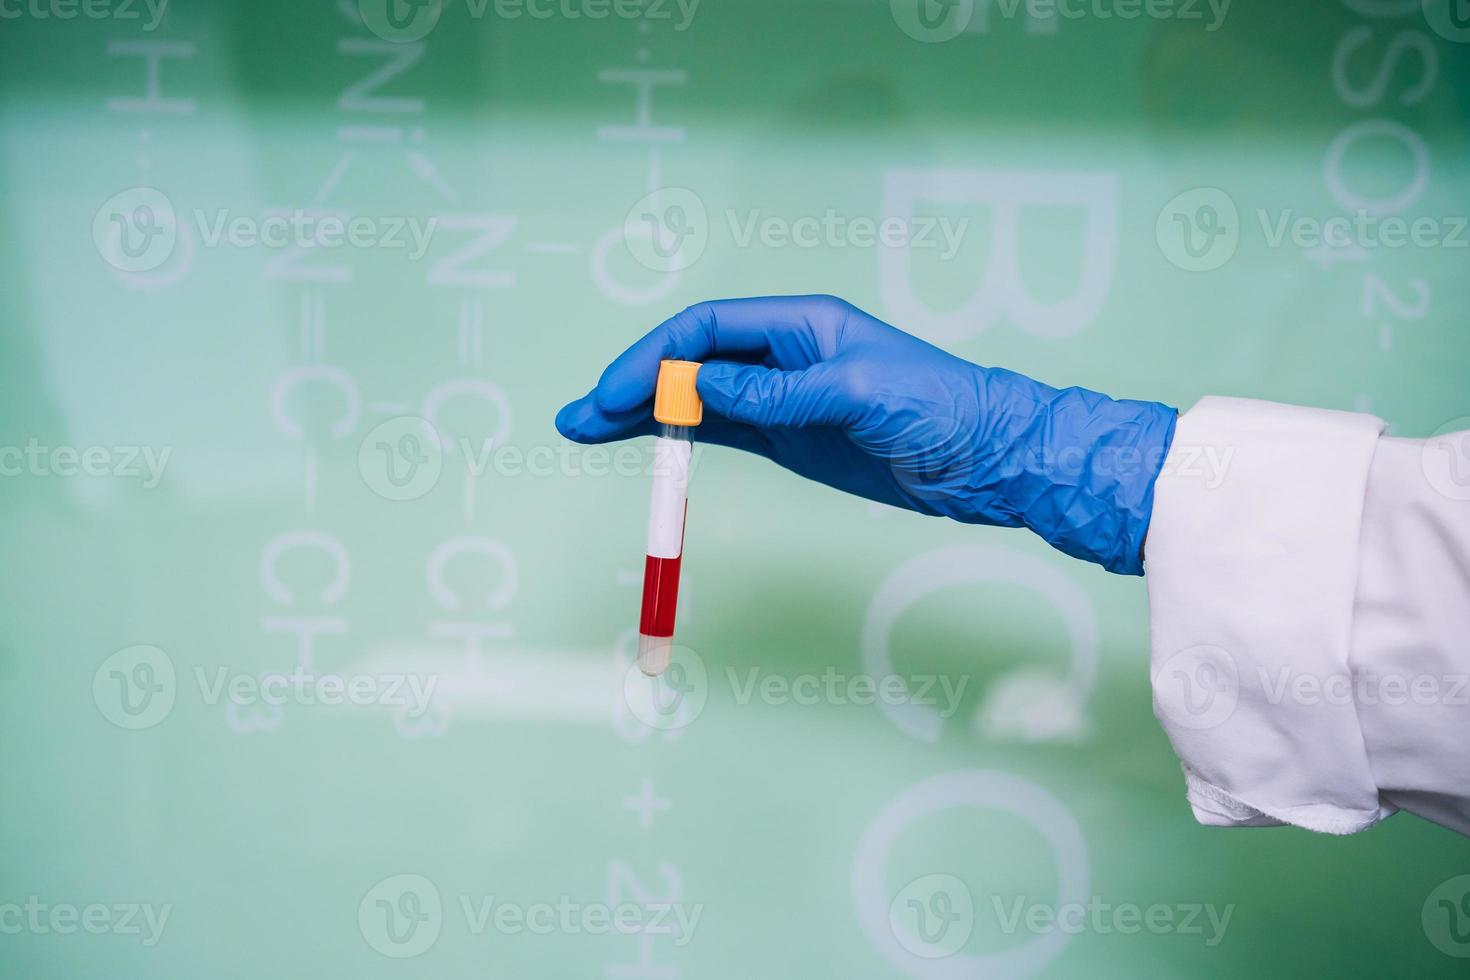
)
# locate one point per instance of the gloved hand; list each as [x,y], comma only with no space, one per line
[834,394]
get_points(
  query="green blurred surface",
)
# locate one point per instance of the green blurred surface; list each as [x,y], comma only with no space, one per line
[264,832]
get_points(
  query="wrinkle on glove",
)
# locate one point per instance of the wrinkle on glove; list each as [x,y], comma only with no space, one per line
[1079,471]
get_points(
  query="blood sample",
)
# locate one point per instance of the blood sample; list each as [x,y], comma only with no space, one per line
[677,409]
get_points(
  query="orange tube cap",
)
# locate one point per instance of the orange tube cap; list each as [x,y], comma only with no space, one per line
[675,401]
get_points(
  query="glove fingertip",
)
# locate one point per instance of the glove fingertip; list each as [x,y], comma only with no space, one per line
[565,420]
[580,421]
[629,380]
[611,396]
[713,384]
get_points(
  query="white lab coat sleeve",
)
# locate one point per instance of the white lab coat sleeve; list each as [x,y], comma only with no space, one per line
[1309,603]
[1411,626]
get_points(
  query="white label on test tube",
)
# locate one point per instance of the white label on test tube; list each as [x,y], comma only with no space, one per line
[671,459]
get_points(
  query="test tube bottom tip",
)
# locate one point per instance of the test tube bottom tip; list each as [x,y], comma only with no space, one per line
[654,653]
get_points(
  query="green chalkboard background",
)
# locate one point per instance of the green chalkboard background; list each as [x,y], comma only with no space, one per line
[1076,145]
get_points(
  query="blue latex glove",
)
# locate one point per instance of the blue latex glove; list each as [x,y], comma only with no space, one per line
[834,394]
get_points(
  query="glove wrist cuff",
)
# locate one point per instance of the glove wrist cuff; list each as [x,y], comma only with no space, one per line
[1081,474]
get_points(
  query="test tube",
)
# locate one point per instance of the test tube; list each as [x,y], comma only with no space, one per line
[677,409]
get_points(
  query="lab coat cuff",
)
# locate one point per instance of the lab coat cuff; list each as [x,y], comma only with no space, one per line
[1252,559]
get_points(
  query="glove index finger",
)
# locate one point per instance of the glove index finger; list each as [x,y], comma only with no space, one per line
[629,380]
[777,325]
[771,397]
